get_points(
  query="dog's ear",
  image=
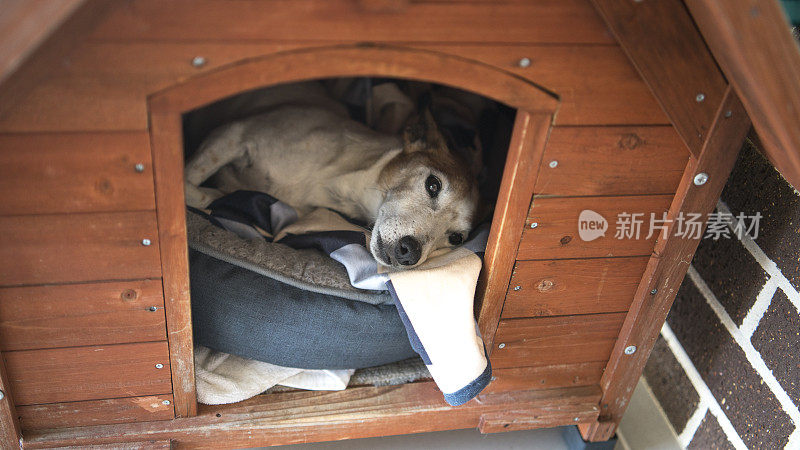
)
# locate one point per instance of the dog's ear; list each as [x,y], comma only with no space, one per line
[422,133]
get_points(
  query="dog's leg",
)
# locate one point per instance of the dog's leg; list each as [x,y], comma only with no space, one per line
[217,151]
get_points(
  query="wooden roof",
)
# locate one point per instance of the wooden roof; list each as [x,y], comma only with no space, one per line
[751,47]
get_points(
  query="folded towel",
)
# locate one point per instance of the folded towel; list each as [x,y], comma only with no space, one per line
[223,378]
[434,300]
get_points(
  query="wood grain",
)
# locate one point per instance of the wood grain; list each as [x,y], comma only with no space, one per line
[356,60]
[167,144]
[545,377]
[96,412]
[573,286]
[559,21]
[556,234]
[612,161]
[75,172]
[755,49]
[545,341]
[10,433]
[522,162]
[78,247]
[667,267]
[81,314]
[24,25]
[300,417]
[679,70]
[103,84]
[88,373]
[165,444]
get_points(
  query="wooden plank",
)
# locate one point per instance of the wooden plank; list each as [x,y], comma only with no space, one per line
[545,377]
[78,247]
[356,60]
[88,373]
[301,417]
[754,47]
[519,175]
[612,161]
[559,21]
[105,83]
[75,172]
[545,341]
[142,445]
[10,434]
[573,286]
[96,412]
[40,65]
[590,80]
[667,266]
[167,144]
[679,71]
[556,234]
[24,25]
[81,314]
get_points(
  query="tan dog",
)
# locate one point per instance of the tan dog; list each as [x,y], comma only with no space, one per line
[418,194]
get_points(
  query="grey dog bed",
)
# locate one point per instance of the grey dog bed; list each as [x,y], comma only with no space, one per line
[293,308]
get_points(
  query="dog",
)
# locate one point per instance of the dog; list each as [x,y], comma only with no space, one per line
[418,193]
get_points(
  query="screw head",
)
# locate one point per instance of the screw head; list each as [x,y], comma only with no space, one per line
[166,402]
[516,288]
[524,62]
[631,349]
[146,242]
[553,164]
[700,97]
[700,179]
[501,345]
[153,308]
[534,224]
[728,114]
[159,366]
[139,167]
[493,378]
[198,61]
[2,395]
[654,291]
[576,419]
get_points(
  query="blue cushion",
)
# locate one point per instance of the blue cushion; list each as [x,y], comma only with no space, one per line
[249,314]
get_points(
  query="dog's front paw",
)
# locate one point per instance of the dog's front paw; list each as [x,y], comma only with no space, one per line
[200,197]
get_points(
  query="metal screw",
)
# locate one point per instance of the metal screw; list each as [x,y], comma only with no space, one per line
[2,395]
[145,242]
[198,61]
[153,308]
[524,62]
[631,349]
[501,346]
[139,167]
[553,164]
[728,114]
[700,179]
[576,419]
[159,366]
[534,224]
[516,288]
[700,97]
[165,402]
[654,291]
[493,378]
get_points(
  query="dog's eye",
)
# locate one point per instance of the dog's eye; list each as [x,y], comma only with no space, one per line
[433,185]
[455,238]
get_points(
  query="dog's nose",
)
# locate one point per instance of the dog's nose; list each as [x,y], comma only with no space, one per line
[407,251]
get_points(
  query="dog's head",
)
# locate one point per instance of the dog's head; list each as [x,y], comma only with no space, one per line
[431,196]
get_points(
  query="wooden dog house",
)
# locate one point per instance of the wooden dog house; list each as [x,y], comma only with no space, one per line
[622,106]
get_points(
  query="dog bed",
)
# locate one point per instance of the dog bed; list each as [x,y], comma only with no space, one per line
[295,308]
